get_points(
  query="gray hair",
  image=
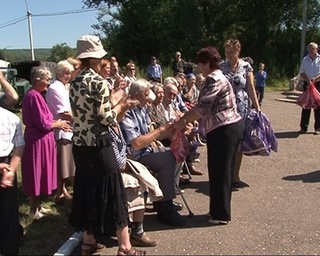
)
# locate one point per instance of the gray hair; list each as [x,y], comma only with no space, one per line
[170,80]
[156,87]
[313,45]
[63,66]
[139,86]
[39,73]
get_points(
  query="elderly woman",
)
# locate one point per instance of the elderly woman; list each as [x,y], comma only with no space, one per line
[190,91]
[224,128]
[156,110]
[39,162]
[99,200]
[57,98]
[240,75]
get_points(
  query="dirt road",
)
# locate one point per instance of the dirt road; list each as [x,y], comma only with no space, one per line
[278,214]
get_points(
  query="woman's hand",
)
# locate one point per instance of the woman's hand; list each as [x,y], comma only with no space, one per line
[116,96]
[62,125]
[180,124]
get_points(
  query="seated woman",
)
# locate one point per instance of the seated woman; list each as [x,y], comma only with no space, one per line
[190,91]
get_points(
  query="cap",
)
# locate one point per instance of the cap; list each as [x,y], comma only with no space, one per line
[89,46]
[178,54]
[189,75]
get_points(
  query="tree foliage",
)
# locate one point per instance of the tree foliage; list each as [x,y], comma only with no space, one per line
[60,52]
[269,31]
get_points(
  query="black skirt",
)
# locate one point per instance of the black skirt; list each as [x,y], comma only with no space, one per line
[99,202]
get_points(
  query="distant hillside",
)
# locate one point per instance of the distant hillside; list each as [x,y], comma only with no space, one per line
[25,54]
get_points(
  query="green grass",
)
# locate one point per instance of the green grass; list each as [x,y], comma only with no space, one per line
[46,235]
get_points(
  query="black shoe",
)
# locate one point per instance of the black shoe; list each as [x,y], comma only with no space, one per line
[302,131]
[168,215]
[240,184]
[177,206]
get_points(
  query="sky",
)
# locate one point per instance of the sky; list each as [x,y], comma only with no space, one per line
[47,30]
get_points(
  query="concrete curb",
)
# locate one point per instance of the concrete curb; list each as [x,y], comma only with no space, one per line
[68,247]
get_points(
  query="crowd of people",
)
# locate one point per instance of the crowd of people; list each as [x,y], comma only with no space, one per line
[108,131]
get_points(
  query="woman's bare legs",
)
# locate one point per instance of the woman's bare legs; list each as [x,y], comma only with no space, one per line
[124,239]
[34,204]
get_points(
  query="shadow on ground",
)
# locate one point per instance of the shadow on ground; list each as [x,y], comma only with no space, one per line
[287,135]
[310,177]
[198,186]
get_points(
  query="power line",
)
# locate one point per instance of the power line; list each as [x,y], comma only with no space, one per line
[15,21]
[64,13]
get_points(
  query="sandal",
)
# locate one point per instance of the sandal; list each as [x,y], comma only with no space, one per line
[91,248]
[132,251]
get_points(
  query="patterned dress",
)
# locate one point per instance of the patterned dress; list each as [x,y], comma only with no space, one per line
[39,165]
[238,80]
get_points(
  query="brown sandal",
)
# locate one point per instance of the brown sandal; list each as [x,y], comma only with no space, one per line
[91,248]
[132,251]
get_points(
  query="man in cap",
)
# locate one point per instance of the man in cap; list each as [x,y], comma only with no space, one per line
[178,64]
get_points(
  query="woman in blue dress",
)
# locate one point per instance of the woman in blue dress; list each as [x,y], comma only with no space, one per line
[240,74]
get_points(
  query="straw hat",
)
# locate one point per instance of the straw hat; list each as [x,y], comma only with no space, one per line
[89,46]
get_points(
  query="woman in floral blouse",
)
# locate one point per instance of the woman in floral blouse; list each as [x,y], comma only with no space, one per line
[240,75]
[99,198]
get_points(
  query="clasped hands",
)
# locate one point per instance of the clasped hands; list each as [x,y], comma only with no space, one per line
[121,97]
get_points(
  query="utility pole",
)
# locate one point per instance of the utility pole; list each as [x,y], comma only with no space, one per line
[30,31]
[304,28]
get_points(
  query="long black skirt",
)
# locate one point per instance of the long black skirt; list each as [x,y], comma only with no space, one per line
[99,202]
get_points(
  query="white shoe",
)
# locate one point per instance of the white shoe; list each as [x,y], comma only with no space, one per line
[36,215]
[44,210]
[218,222]
[179,192]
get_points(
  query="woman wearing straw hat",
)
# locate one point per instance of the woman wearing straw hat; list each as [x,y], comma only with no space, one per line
[99,198]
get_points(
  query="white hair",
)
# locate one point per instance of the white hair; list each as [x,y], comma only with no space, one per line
[139,86]
[170,80]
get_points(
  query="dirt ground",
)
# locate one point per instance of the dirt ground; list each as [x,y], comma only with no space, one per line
[278,214]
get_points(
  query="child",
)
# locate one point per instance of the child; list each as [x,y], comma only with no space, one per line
[261,77]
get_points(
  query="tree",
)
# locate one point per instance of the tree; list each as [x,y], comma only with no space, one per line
[269,30]
[60,52]
[2,55]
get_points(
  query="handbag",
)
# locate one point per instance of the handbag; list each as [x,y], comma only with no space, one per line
[259,138]
[310,98]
